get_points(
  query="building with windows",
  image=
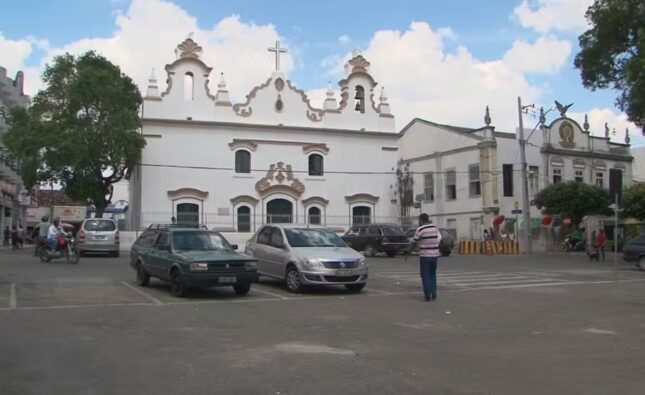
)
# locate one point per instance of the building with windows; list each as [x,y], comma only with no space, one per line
[11,204]
[466,177]
[273,158]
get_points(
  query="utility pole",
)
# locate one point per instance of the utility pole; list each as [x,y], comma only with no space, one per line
[526,214]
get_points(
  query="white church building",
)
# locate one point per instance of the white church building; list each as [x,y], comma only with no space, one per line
[273,158]
[277,159]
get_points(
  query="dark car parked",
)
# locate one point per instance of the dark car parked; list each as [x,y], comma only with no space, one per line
[634,251]
[190,257]
[445,246]
[376,238]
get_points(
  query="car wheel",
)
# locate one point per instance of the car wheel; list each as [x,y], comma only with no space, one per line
[355,287]
[293,280]
[369,250]
[445,252]
[143,278]
[242,289]
[177,286]
[391,254]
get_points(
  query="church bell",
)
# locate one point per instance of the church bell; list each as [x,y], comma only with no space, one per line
[358,106]
[359,94]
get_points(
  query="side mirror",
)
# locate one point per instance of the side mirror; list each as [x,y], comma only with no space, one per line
[234,246]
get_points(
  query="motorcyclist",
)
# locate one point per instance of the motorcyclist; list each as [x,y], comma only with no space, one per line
[53,233]
[42,229]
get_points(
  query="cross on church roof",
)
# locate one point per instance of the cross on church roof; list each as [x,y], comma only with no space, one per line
[277,51]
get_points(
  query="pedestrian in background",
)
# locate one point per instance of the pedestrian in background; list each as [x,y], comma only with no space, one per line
[427,238]
[601,242]
[14,237]
[21,236]
[6,235]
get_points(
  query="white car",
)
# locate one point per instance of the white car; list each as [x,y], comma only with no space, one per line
[307,256]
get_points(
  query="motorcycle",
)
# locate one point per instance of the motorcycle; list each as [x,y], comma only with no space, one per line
[65,249]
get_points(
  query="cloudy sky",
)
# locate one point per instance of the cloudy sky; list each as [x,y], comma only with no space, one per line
[442,61]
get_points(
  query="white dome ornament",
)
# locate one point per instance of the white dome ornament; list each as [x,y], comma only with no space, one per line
[384,106]
[330,100]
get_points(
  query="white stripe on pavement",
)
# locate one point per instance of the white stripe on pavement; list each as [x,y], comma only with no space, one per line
[486,283]
[144,294]
[13,303]
[255,288]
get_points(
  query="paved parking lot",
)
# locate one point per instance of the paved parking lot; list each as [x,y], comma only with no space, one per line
[545,324]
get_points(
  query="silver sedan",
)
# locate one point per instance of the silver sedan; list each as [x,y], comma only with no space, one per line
[307,256]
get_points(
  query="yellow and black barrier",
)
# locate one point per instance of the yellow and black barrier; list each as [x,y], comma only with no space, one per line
[489,247]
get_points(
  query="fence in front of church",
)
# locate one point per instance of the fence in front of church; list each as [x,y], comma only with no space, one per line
[251,223]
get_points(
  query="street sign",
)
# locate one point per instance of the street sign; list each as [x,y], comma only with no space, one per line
[517,211]
[420,197]
[417,205]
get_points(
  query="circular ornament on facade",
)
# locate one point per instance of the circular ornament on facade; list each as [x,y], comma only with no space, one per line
[279,105]
[279,84]
[566,135]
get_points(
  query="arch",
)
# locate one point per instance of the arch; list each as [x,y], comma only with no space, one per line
[361,198]
[189,86]
[600,165]
[579,164]
[237,144]
[314,216]
[243,219]
[316,165]
[315,200]
[361,215]
[320,148]
[242,161]
[244,199]
[188,192]
[557,161]
[279,211]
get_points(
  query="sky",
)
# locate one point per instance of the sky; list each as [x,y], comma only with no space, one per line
[443,61]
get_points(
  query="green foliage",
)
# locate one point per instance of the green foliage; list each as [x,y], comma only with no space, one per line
[634,201]
[573,200]
[612,53]
[81,131]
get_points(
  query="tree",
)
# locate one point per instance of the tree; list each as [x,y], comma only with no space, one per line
[573,200]
[81,130]
[405,189]
[612,53]
[634,201]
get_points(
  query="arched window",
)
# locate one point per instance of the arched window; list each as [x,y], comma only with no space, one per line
[314,216]
[361,215]
[316,165]
[359,96]
[189,86]
[243,219]
[187,214]
[242,161]
[279,211]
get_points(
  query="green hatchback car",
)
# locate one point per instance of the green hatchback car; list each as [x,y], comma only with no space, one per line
[191,258]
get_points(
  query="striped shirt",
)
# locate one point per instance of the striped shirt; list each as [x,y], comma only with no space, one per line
[427,238]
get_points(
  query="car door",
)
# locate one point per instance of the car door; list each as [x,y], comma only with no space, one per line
[161,256]
[374,237]
[142,248]
[278,253]
[350,237]
[258,248]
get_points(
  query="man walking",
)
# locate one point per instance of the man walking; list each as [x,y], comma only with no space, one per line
[427,238]
[601,242]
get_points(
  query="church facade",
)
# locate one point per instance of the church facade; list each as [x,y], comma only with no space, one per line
[273,158]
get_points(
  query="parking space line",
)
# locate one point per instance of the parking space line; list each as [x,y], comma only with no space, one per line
[144,294]
[13,303]
[255,288]
[378,291]
[77,306]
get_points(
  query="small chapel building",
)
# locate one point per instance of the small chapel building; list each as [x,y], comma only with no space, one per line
[272,159]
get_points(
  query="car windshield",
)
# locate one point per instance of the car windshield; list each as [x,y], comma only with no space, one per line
[199,241]
[313,238]
[391,231]
[98,225]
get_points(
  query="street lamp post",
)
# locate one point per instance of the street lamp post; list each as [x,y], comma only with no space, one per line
[526,215]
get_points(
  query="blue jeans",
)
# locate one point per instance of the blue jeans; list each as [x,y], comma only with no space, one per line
[53,244]
[428,269]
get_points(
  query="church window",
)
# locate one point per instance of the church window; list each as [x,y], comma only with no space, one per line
[316,165]
[279,211]
[359,97]
[187,214]
[600,179]
[557,175]
[279,104]
[451,184]
[507,178]
[361,215]
[189,86]
[428,187]
[474,182]
[314,216]
[242,161]
[578,176]
[243,219]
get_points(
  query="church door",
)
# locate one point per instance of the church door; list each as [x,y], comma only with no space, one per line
[187,214]
[279,211]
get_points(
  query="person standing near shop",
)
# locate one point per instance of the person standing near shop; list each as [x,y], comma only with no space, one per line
[601,242]
[427,238]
